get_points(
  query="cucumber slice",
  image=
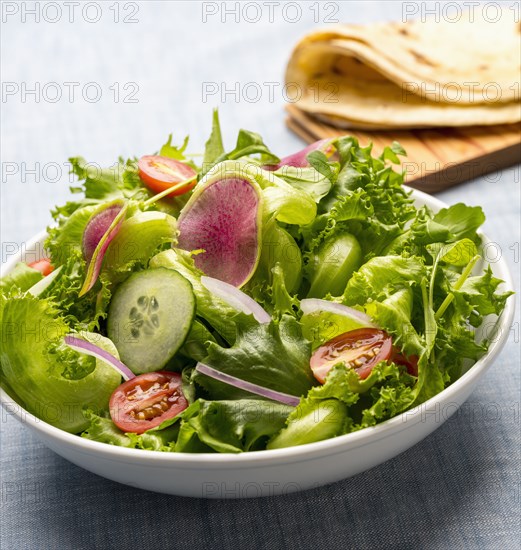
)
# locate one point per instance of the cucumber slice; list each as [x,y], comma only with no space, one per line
[150,317]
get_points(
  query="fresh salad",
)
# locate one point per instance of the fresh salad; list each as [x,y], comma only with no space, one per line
[237,301]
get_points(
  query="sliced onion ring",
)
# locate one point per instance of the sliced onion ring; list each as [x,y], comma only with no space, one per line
[247,386]
[82,346]
[236,299]
[312,305]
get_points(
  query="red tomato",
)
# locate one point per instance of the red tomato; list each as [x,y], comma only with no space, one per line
[146,401]
[360,349]
[410,362]
[160,173]
[43,266]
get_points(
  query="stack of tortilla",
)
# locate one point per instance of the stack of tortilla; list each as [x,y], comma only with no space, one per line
[417,74]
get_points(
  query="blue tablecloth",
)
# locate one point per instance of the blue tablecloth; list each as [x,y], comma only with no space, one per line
[128,75]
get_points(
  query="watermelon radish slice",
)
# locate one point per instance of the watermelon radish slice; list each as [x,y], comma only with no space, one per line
[97,226]
[223,220]
[102,227]
[299,159]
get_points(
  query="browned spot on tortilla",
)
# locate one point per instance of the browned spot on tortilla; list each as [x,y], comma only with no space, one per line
[422,59]
[483,67]
[403,31]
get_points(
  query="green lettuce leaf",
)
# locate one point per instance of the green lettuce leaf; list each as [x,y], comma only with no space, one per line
[21,278]
[230,426]
[102,429]
[312,420]
[382,276]
[273,355]
[65,239]
[54,382]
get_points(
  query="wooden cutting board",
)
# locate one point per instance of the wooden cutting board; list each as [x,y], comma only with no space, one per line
[436,158]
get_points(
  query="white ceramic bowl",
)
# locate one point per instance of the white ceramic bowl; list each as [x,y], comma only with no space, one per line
[280,471]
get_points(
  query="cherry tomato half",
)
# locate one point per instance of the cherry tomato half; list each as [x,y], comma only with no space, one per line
[43,266]
[159,173]
[146,401]
[360,349]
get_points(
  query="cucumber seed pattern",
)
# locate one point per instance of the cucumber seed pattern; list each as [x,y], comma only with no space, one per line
[144,317]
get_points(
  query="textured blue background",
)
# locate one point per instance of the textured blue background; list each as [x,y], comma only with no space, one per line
[459,488]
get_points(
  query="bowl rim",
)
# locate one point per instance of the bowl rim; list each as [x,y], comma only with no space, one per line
[273,457]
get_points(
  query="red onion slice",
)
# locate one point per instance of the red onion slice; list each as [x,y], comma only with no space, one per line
[236,299]
[312,305]
[82,346]
[299,159]
[247,386]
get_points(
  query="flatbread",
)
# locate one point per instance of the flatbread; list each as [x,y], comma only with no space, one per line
[410,75]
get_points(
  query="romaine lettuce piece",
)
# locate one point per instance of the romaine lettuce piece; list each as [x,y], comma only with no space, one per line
[313,420]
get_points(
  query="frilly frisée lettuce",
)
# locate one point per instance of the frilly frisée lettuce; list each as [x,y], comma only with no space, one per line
[319,298]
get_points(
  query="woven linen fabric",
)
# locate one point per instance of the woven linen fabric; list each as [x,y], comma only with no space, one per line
[457,489]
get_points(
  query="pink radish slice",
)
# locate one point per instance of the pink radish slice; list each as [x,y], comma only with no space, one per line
[99,232]
[223,220]
[97,226]
[299,159]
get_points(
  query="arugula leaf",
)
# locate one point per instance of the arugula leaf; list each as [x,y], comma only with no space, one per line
[320,162]
[248,144]
[458,253]
[214,147]
[461,220]
[391,152]
[306,179]
[172,151]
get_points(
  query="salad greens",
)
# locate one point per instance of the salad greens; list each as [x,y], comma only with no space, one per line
[351,273]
